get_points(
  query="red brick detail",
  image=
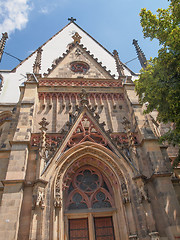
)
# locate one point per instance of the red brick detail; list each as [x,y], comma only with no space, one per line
[77,82]
[52,140]
[86,131]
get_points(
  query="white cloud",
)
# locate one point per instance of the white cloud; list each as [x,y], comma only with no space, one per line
[44,10]
[13,15]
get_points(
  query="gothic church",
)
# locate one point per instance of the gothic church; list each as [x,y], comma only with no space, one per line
[78,158]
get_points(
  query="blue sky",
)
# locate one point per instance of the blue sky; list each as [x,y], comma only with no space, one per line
[113,23]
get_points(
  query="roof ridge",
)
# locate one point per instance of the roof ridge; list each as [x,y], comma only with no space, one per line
[14,69]
[94,39]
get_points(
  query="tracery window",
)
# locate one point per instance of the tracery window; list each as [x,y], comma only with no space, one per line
[89,205]
[89,189]
[79,67]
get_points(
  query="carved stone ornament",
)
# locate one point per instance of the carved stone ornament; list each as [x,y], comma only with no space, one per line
[76,37]
[133,237]
[126,198]
[38,197]
[154,236]
[57,198]
[84,98]
[143,192]
[58,201]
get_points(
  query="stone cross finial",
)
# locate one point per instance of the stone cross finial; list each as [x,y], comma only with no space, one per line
[2,43]
[141,55]
[37,63]
[72,19]
[119,65]
[76,37]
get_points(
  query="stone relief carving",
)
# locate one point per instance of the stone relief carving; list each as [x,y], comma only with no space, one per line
[126,198]
[133,237]
[38,197]
[58,201]
[142,190]
[154,236]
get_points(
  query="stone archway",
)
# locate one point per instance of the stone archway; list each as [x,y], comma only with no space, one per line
[92,155]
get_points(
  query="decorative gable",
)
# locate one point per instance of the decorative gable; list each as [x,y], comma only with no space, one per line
[86,131]
[78,63]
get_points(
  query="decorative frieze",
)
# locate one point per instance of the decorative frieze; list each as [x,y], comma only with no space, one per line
[76,96]
[80,83]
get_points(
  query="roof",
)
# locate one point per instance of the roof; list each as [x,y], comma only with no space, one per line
[53,49]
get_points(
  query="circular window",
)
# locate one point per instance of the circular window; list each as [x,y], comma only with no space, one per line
[79,67]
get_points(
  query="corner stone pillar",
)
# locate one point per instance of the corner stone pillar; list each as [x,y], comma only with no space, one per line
[154,165]
[14,182]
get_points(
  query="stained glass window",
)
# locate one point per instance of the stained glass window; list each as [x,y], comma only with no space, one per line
[88,188]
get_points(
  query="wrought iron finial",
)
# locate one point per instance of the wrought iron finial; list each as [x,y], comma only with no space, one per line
[72,19]
[119,65]
[141,55]
[37,63]
[2,43]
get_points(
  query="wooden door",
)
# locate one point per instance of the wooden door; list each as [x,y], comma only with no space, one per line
[104,228]
[78,229]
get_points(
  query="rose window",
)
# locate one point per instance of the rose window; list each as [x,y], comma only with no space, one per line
[89,189]
[79,67]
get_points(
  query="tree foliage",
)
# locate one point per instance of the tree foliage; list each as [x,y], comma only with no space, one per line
[159,83]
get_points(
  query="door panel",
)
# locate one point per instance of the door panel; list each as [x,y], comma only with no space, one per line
[104,228]
[78,229]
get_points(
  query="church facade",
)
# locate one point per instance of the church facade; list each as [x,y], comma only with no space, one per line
[78,159]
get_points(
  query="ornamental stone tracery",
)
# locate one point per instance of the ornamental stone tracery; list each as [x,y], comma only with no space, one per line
[79,67]
[72,168]
[77,82]
[88,188]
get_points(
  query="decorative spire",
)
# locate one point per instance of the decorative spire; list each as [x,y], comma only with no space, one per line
[119,65]
[2,43]
[43,140]
[141,55]
[72,19]
[76,37]
[37,63]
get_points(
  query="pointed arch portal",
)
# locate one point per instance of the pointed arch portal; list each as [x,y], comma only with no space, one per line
[89,183]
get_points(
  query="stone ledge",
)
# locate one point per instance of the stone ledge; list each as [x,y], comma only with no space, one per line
[160,174]
[6,182]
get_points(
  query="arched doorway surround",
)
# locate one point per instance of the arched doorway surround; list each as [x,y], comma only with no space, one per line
[93,157]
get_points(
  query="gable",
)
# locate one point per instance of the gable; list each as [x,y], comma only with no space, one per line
[52,49]
[77,63]
[84,129]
